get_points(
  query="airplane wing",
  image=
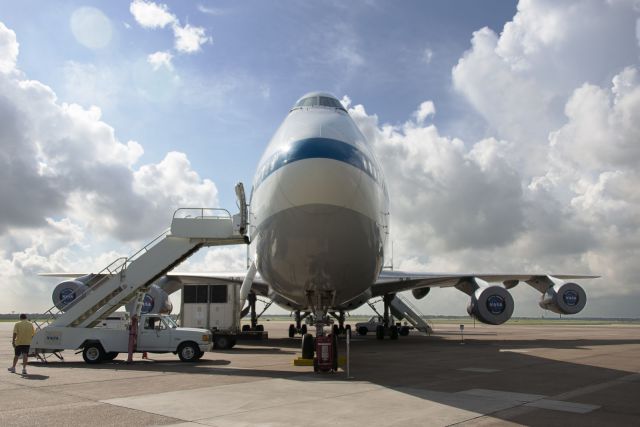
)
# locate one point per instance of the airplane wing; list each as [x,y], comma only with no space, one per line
[398,281]
[259,285]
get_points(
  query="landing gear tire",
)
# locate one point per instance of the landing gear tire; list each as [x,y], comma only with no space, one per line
[246,328]
[394,332]
[380,332]
[404,331]
[188,352]
[336,330]
[303,330]
[362,330]
[260,328]
[93,353]
[307,346]
[292,330]
[347,330]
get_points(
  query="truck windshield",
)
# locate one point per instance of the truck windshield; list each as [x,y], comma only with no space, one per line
[170,322]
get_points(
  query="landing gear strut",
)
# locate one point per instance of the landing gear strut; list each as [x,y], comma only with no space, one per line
[254,326]
[298,328]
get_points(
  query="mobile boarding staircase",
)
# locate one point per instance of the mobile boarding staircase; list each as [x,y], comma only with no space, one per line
[126,279]
[401,308]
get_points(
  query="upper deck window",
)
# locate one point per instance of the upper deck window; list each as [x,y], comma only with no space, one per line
[323,101]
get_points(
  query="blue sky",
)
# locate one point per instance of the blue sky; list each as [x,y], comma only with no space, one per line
[264,55]
[507,130]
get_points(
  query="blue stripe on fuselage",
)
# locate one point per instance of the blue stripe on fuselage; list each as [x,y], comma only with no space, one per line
[318,148]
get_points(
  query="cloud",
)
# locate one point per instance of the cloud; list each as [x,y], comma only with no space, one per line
[72,189]
[427,55]
[426,109]
[554,186]
[189,39]
[211,10]
[151,15]
[8,49]
[160,59]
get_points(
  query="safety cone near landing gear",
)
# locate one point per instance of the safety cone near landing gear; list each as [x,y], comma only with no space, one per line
[144,355]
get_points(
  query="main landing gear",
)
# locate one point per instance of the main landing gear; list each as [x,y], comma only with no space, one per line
[298,328]
[388,327]
[254,326]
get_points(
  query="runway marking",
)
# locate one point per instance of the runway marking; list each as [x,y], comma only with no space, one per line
[479,370]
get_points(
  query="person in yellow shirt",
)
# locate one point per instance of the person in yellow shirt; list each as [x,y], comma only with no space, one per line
[22,334]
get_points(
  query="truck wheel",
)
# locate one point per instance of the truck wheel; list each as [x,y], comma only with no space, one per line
[292,330]
[380,332]
[222,342]
[188,352]
[362,330]
[93,353]
[307,346]
[199,355]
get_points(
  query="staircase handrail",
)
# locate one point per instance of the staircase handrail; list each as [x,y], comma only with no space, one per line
[202,211]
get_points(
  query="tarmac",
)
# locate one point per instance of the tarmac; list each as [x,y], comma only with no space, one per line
[559,374]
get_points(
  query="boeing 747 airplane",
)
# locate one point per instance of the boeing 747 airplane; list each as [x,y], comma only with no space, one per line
[319,224]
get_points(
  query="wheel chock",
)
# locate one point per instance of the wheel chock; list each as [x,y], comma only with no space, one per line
[302,362]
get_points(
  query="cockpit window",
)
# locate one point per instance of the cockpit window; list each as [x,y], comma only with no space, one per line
[323,101]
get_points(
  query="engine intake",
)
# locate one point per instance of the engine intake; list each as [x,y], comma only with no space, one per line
[492,305]
[67,292]
[565,298]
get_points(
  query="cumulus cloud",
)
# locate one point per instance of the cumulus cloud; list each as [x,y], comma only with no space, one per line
[72,188]
[555,189]
[8,49]
[151,15]
[160,59]
[187,38]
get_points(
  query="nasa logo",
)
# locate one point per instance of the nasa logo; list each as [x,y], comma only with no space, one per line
[495,304]
[570,298]
[147,304]
[67,295]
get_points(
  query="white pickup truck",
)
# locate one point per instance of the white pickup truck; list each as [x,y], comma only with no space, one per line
[156,334]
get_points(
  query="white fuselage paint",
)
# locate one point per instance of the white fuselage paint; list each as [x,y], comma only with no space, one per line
[319,212]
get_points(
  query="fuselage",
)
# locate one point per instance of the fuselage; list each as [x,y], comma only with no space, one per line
[319,209]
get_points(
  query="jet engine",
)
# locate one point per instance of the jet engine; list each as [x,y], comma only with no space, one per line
[156,299]
[492,305]
[420,293]
[65,293]
[564,298]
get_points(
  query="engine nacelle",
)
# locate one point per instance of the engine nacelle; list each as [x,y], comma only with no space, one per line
[492,305]
[67,292]
[564,298]
[420,293]
[156,301]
